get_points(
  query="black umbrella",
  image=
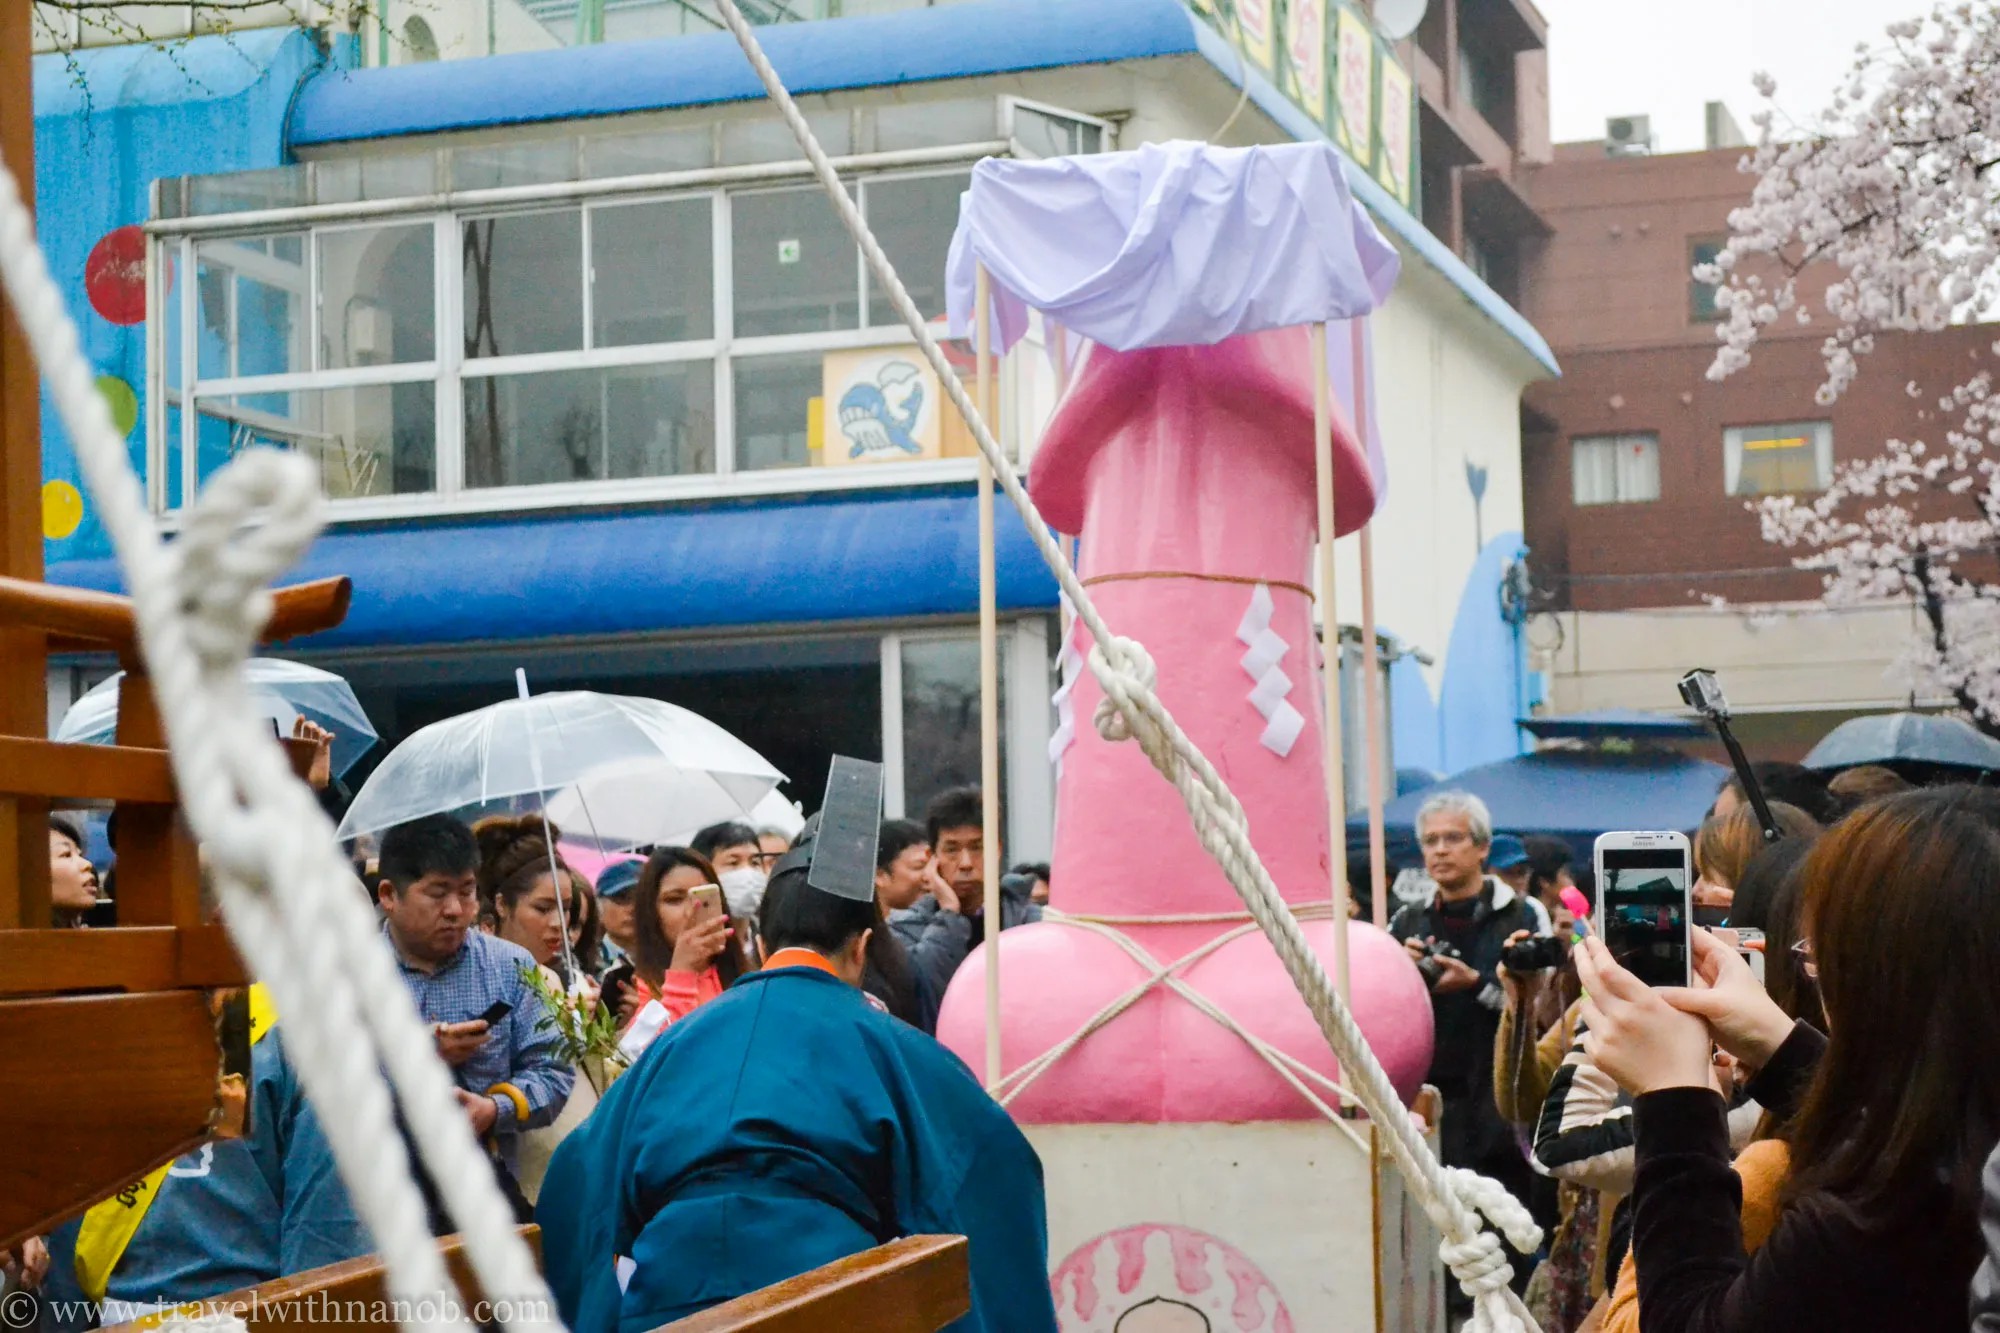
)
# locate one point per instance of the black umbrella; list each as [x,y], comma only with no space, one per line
[1935,739]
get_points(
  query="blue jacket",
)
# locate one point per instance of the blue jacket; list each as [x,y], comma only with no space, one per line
[780,1127]
[234,1212]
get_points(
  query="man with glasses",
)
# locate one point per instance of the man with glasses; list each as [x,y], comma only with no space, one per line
[1457,938]
[470,986]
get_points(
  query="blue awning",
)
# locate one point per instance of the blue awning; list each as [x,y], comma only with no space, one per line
[824,559]
[1569,794]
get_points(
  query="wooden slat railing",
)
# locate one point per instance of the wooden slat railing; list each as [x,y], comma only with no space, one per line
[107,1086]
[914,1285]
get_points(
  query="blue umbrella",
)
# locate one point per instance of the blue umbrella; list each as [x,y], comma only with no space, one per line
[1906,738]
[1570,794]
[1605,723]
[281,690]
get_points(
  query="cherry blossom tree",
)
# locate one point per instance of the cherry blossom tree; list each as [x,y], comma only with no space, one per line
[1892,192]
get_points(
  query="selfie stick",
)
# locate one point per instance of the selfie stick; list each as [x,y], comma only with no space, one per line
[1701,691]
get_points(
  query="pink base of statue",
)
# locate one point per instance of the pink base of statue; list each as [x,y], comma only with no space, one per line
[1189,473]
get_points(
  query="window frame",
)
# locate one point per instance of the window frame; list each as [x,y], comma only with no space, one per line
[1616,440]
[172,242]
[1696,286]
[1734,438]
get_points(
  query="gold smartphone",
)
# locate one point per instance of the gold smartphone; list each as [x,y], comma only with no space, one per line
[708,900]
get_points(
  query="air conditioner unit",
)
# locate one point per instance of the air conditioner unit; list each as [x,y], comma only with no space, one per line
[1628,136]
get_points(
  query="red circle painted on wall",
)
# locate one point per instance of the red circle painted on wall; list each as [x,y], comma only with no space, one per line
[115,276]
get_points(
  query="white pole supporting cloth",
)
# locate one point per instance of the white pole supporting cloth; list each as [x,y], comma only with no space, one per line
[289,900]
[1130,710]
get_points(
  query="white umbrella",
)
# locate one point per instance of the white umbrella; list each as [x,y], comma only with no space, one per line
[519,753]
[281,690]
[636,802]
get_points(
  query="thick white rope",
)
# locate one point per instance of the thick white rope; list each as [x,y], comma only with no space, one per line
[290,903]
[1131,710]
[1293,1070]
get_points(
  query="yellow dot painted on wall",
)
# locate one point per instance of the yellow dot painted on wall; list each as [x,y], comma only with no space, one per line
[62,510]
[124,403]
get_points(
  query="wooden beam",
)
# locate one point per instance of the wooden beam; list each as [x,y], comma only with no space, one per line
[24,683]
[914,1285]
[54,769]
[323,1297]
[75,1137]
[124,958]
[105,619]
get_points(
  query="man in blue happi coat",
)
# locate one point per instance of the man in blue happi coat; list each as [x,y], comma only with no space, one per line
[233,1213]
[788,1124]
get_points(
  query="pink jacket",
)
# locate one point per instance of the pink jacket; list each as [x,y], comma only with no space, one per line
[681,993]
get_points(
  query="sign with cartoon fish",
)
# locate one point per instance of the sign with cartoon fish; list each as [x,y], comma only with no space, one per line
[880,406]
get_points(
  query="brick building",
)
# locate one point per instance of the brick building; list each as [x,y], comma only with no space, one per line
[1638,472]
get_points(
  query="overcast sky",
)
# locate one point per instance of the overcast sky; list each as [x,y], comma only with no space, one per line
[1665,58]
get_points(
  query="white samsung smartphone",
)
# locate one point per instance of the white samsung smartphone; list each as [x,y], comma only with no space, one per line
[1645,885]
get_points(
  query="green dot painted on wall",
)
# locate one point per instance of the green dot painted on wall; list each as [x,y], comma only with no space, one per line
[124,403]
[62,510]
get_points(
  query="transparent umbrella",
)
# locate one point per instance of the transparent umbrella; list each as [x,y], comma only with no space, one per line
[638,801]
[282,690]
[517,754]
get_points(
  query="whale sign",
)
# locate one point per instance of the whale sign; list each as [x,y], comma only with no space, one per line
[881,406]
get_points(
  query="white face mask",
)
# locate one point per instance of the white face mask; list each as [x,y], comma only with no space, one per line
[743,889]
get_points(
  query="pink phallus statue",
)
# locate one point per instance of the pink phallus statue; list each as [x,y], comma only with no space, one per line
[1189,473]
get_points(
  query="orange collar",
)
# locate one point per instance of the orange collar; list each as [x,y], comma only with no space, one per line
[799,958]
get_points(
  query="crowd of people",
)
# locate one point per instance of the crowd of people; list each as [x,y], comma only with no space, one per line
[1795,1139]
[494,934]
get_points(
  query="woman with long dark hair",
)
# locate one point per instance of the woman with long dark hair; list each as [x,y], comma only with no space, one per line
[689,946]
[1887,1116]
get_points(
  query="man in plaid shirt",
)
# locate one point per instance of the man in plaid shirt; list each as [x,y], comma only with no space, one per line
[509,1076]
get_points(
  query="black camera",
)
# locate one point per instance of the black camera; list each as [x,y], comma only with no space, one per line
[1429,965]
[1537,953]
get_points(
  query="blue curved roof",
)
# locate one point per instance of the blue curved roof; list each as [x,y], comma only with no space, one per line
[874,50]
[955,41]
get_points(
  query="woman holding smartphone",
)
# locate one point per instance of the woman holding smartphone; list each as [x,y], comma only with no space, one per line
[1888,1107]
[689,947]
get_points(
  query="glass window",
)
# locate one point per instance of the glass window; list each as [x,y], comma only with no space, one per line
[377,439]
[587,425]
[935,124]
[1773,460]
[768,139]
[777,408]
[1041,134]
[796,270]
[377,296]
[1615,469]
[941,718]
[491,166]
[176,294]
[646,154]
[1701,295]
[914,219]
[252,306]
[524,283]
[377,176]
[652,272]
[243,191]
[174,478]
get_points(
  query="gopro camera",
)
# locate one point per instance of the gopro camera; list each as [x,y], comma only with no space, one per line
[1701,691]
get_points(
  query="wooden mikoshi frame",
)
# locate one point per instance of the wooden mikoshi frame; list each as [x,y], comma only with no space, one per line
[989,676]
[1331,655]
[917,1284]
